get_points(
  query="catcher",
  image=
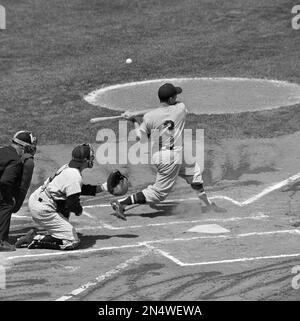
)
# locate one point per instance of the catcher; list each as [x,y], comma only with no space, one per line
[52,203]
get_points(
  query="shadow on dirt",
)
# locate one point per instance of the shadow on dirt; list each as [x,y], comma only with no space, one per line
[166,209]
[88,241]
[173,209]
[292,188]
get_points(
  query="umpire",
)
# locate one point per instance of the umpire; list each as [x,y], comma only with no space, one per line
[16,169]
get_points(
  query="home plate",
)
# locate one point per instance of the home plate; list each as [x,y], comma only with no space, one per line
[208,228]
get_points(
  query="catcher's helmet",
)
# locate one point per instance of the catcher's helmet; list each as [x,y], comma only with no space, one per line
[81,154]
[27,140]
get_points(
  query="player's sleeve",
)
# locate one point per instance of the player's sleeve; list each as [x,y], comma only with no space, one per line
[145,128]
[89,190]
[73,204]
[73,192]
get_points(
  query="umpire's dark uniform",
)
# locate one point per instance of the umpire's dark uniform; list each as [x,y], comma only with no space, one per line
[15,176]
[10,173]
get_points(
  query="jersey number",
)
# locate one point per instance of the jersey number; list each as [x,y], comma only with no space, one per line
[169,125]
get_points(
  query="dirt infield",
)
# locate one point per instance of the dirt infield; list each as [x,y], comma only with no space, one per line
[154,256]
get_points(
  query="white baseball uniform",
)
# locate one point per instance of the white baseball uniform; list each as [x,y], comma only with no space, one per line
[167,157]
[66,182]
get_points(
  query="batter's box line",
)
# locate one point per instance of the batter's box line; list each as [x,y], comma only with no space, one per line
[146,243]
[251,200]
[259,216]
[238,260]
[103,277]
[103,225]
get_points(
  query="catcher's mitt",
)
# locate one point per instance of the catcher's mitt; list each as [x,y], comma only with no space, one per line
[117,183]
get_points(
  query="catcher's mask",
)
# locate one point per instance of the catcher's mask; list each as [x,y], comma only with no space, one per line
[83,153]
[26,140]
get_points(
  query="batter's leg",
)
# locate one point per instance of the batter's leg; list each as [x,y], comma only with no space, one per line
[193,176]
[166,176]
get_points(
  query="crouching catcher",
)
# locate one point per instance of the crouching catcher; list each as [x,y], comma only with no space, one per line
[51,204]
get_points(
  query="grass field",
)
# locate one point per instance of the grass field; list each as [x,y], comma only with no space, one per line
[53,52]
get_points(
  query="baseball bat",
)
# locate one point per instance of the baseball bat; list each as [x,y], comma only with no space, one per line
[100,119]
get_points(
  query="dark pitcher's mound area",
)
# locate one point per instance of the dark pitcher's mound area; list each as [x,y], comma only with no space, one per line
[202,95]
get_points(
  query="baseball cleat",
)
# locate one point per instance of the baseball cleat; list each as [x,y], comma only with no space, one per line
[214,207]
[119,210]
[26,239]
[34,245]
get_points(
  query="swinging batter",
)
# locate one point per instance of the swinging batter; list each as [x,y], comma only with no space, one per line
[168,122]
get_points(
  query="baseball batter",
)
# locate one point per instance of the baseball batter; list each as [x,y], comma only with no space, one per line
[52,203]
[167,122]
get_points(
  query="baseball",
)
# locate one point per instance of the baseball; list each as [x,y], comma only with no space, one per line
[128,61]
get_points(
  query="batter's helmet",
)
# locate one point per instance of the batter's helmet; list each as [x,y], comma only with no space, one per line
[167,91]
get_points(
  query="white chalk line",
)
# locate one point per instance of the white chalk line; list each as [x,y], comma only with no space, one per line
[260,216]
[243,259]
[252,199]
[164,253]
[29,217]
[150,248]
[87,214]
[92,96]
[144,243]
[103,277]
[103,225]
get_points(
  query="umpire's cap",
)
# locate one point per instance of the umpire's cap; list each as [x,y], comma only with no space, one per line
[24,138]
[27,140]
[167,91]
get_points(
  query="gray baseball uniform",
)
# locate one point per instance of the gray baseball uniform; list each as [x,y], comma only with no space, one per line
[42,203]
[167,123]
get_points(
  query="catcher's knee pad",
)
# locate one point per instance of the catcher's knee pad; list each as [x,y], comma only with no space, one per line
[198,187]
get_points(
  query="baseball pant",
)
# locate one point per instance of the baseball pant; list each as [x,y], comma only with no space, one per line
[6,210]
[169,166]
[43,211]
